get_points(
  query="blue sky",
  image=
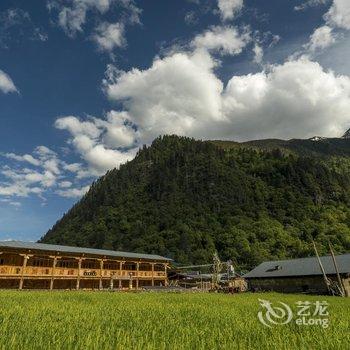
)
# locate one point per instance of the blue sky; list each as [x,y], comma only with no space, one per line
[84,83]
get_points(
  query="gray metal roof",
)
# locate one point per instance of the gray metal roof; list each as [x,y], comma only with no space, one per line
[300,267]
[78,250]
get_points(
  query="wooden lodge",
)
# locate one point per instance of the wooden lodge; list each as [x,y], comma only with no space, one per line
[303,276]
[26,265]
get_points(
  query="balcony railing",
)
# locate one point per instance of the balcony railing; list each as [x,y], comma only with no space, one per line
[74,272]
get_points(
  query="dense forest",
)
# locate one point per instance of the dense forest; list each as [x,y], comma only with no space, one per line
[250,202]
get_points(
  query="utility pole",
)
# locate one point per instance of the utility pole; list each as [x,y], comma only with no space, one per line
[340,282]
[217,266]
[322,269]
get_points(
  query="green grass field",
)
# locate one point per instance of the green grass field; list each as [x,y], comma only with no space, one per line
[103,320]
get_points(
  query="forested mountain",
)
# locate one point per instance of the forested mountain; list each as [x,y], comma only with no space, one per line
[251,202]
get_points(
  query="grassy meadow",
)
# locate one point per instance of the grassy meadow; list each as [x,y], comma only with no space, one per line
[104,320]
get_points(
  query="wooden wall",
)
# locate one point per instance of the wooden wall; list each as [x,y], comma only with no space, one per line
[303,284]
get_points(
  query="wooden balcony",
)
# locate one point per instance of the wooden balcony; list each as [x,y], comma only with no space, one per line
[26,270]
[60,272]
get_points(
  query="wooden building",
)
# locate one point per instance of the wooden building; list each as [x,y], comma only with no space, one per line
[25,265]
[301,275]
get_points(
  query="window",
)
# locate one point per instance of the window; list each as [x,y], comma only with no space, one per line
[90,265]
[111,266]
[130,266]
[2,261]
[67,263]
[40,262]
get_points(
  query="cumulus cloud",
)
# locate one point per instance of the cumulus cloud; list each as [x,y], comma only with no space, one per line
[321,38]
[100,142]
[172,96]
[108,36]
[337,18]
[181,94]
[229,8]
[339,14]
[6,83]
[295,99]
[224,39]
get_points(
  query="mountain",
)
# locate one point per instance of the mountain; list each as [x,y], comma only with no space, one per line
[185,199]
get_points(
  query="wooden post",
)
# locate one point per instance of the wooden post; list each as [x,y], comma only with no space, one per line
[322,269]
[120,273]
[340,282]
[111,283]
[130,280]
[79,270]
[137,275]
[101,271]
[25,260]
[53,271]
[152,264]
[166,274]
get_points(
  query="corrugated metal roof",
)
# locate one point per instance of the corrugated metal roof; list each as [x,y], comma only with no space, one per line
[300,267]
[78,250]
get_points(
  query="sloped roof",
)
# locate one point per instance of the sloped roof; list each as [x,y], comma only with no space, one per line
[78,250]
[300,267]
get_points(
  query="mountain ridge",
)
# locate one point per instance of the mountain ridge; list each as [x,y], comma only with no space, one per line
[184,198]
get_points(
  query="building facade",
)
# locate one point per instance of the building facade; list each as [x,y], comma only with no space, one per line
[301,275]
[25,265]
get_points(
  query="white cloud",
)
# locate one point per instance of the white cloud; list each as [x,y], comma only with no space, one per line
[181,94]
[73,167]
[65,184]
[100,142]
[44,152]
[72,17]
[310,3]
[321,38]
[77,127]
[25,158]
[229,8]
[172,96]
[21,181]
[258,53]
[224,39]
[109,36]
[118,131]
[6,83]
[337,19]
[339,14]
[295,99]
[73,192]
[18,189]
